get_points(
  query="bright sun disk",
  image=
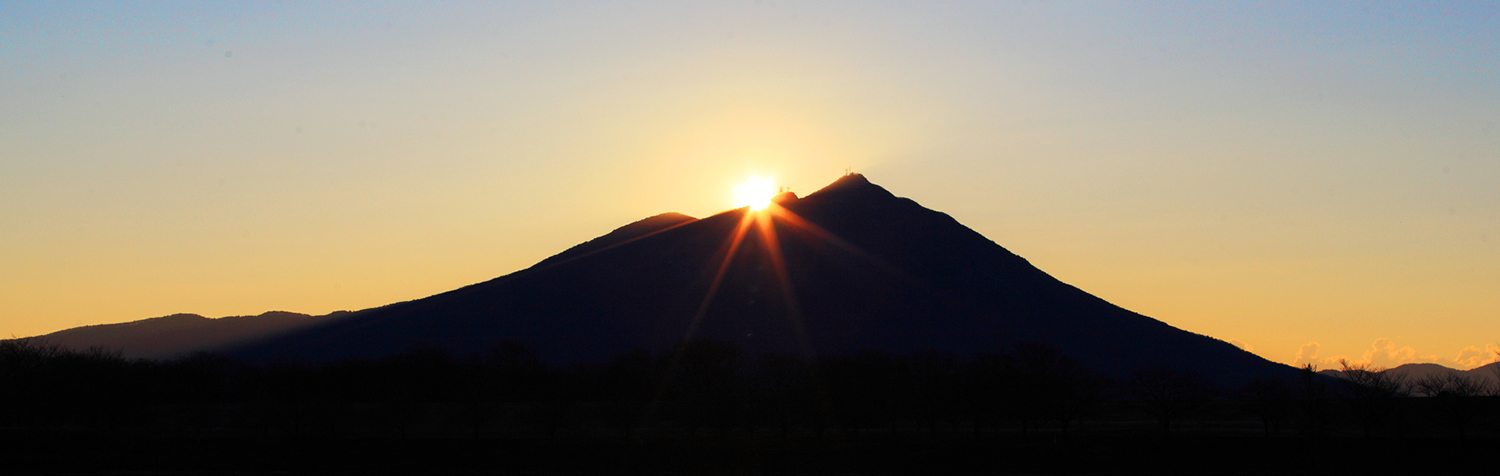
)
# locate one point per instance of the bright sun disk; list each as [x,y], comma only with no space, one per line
[755,193]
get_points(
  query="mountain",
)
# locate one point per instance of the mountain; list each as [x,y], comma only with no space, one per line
[1411,374]
[1416,371]
[847,268]
[179,334]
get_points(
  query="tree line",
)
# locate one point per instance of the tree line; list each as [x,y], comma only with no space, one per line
[708,389]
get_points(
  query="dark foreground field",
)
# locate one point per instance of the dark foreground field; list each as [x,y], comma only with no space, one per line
[706,408]
[743,455]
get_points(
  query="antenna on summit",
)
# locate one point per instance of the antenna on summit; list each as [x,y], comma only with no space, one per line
[848,171]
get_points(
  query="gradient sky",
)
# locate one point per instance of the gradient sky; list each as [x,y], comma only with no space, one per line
[1308,179]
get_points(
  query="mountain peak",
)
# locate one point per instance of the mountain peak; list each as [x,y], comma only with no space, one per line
[849,182]
[852,178]
[851,186]
[784,198]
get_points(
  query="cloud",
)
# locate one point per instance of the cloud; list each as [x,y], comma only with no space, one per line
[1384,353]
[1245,346]
[1337,362]
[1308,354]
[1473,356]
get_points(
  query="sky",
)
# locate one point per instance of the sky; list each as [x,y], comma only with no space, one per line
[1307,180]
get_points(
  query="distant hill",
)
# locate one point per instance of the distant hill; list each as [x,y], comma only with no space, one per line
[850,267]
[1415,371]
[178,334]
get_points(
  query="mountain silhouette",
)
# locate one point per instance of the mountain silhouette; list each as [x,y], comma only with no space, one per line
[848,268]
[179,334]
[1413,372]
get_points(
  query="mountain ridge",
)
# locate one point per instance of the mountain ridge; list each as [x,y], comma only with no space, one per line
[1411,372]
[179,334]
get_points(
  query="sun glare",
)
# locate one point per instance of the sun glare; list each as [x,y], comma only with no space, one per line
[755,193]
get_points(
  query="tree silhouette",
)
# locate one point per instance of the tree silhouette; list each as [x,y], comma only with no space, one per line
[1312,391]
[1170,395]
[624,387]
[49,385]
[863,389]
[476,396]
[987,390]
[783,391]
[30,398]
[1456,398]
[201,384]
[935,389]
[884,380]
[1270,400]
[1369,391]
[407,384]
[705,377]
[95,384]
[517,370]
[1049,386]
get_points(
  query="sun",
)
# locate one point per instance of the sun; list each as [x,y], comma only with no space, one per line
[756,193]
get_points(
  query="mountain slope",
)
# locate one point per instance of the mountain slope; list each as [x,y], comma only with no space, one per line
[847,268]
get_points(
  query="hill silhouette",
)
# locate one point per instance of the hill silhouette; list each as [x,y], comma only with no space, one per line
[1416,371]
[1413,372]
[850,267]
[179,334]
